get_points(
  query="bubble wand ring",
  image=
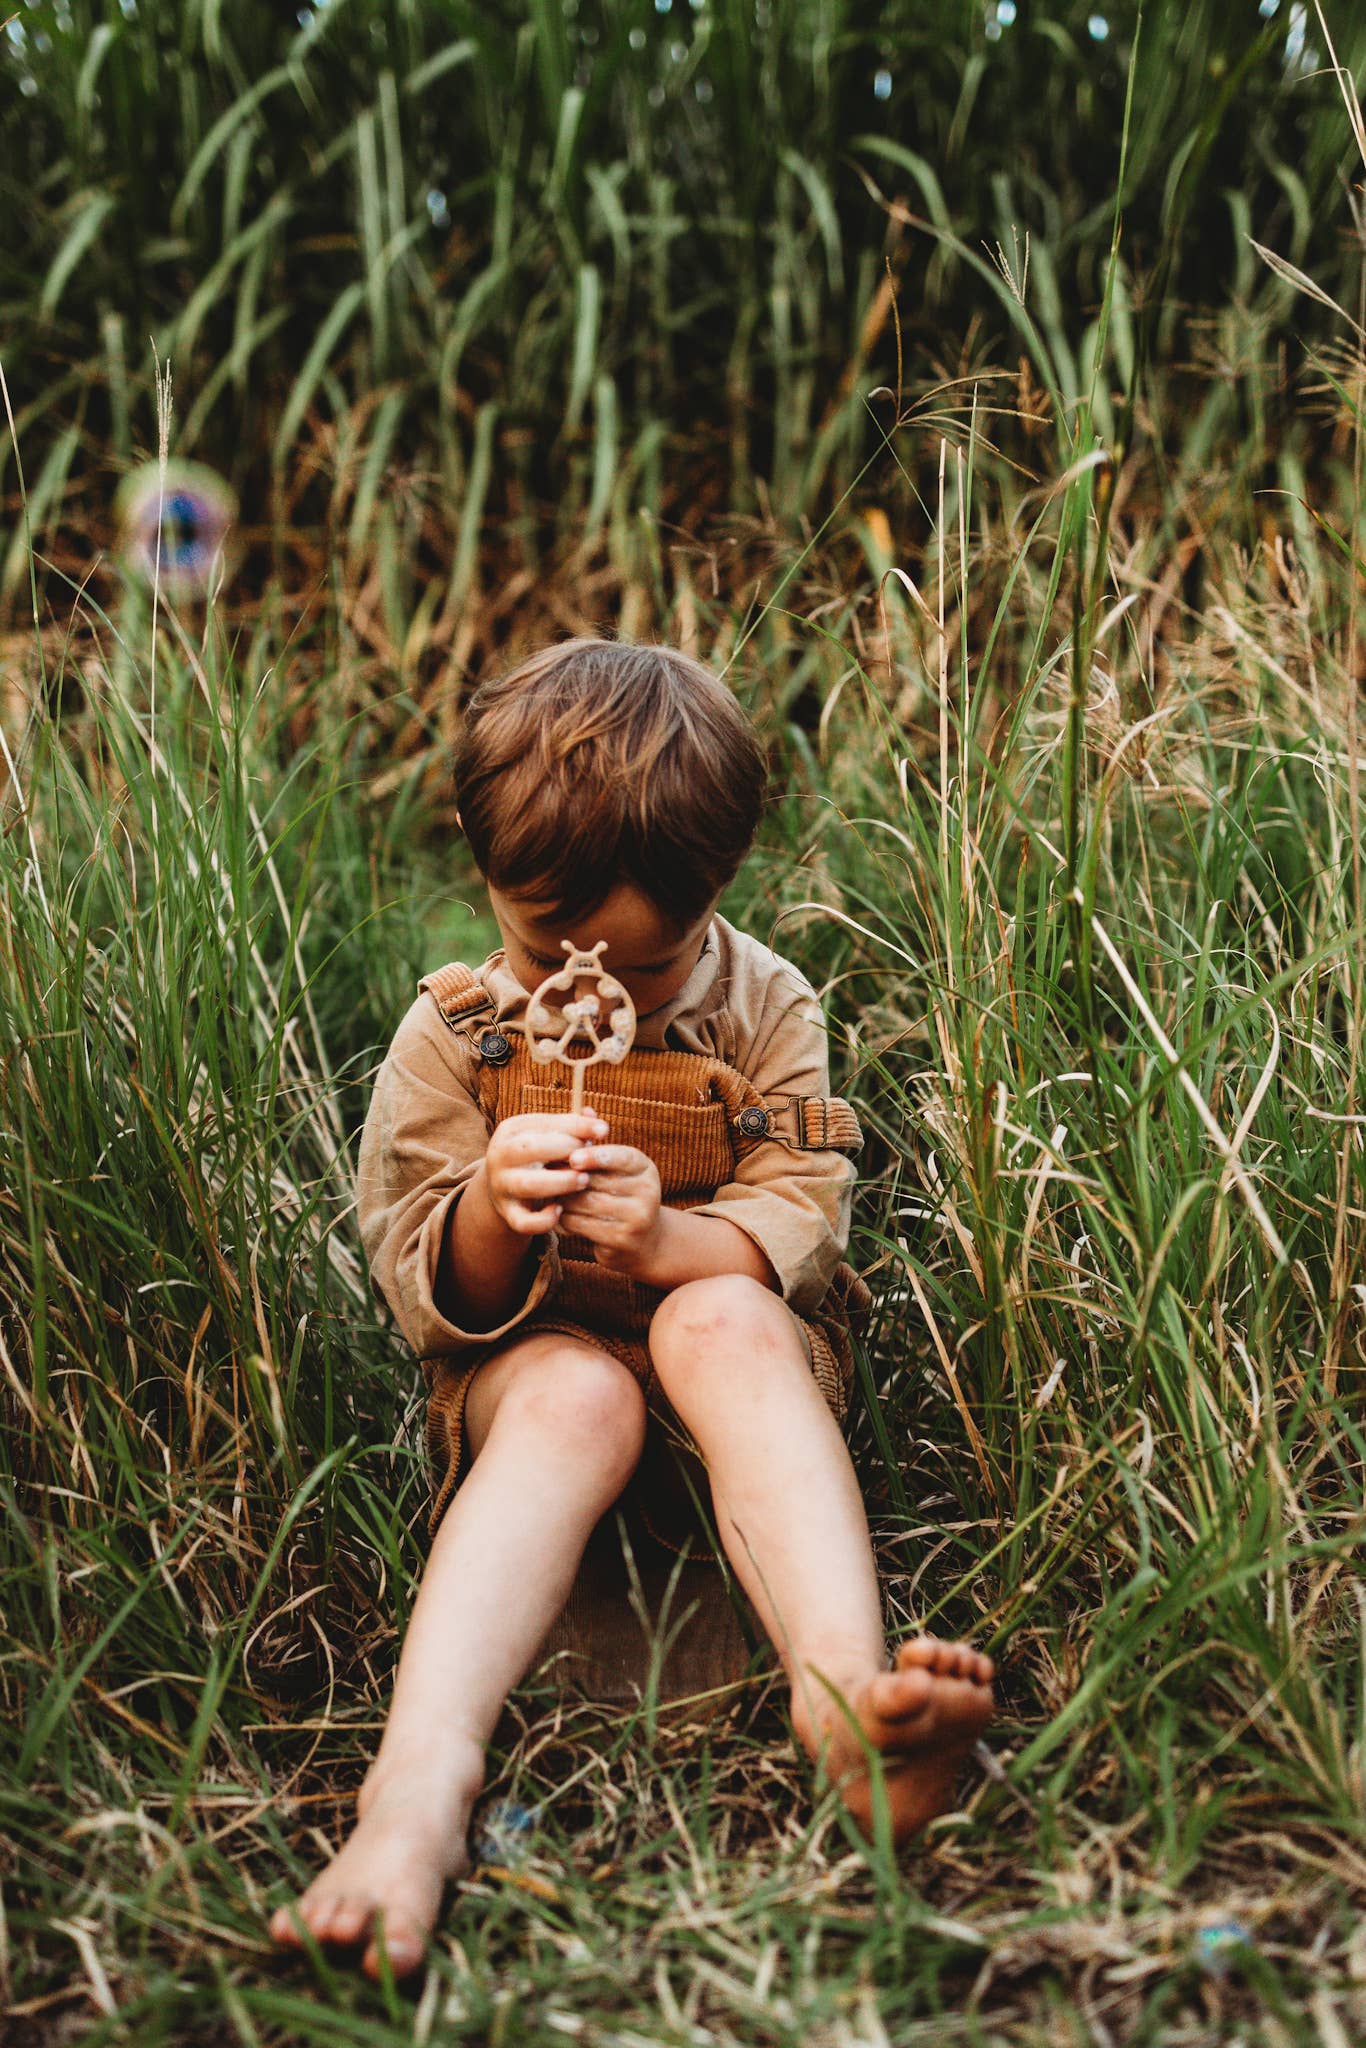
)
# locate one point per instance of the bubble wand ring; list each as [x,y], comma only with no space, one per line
[553,1027]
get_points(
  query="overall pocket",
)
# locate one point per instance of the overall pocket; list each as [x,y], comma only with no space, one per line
[688,1142]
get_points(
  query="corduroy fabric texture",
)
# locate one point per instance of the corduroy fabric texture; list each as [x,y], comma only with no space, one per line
[683,1109]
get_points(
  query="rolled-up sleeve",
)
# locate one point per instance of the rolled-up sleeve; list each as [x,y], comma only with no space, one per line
[796,1205]
[423,1139]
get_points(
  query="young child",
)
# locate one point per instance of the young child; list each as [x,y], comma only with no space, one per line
[575,1283]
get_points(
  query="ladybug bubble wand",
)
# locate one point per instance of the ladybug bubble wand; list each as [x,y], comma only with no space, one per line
[559,1018]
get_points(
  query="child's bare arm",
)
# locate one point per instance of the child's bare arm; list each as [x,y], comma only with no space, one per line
[514,1197]
[620,1213]
[692,1247]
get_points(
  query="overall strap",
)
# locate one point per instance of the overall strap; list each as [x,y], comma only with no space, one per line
[809,1123]
[457,992]
[467,1009]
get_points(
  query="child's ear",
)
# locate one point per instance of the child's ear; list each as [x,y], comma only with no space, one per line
[460,821]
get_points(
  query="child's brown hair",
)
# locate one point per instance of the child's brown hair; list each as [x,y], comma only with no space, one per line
[594,763]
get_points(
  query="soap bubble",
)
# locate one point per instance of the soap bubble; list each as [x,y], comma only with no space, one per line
[185,517]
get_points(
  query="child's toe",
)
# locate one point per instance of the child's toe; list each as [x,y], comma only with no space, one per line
[323,1917]
[921,1653]
[285,1926]
[405,1946]
[945,1660]
[350,1918]
[900,1695]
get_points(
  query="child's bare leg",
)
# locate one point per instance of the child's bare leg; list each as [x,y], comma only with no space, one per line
[732,1360]
[555,1430]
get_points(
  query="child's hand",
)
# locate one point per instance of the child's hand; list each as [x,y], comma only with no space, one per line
[526,1172]
[620,1212]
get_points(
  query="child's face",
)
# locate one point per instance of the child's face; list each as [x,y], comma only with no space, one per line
[646,952]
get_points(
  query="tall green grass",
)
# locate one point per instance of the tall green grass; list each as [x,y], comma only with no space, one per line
[432,274]
[1068,829]
[1111,1405]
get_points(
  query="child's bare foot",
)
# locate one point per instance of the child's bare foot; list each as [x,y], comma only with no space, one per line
[410,1838]
[924,1717]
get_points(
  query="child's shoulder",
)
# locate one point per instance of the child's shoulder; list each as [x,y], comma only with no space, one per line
[457,980]
[446,999]
[754,971]
[775,1028]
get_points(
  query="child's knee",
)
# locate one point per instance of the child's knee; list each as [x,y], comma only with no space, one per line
[591,1404]
[723,1305]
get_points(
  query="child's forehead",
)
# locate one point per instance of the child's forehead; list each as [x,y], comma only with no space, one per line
[628,921]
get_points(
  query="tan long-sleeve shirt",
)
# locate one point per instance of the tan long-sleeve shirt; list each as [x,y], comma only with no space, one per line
[425,1134]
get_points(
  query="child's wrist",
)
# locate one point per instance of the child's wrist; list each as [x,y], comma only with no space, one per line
[650,1255]
[488,1234]
[485,1265]
[689,1247]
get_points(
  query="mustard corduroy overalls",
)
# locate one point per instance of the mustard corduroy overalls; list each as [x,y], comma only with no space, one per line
[695,1117]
